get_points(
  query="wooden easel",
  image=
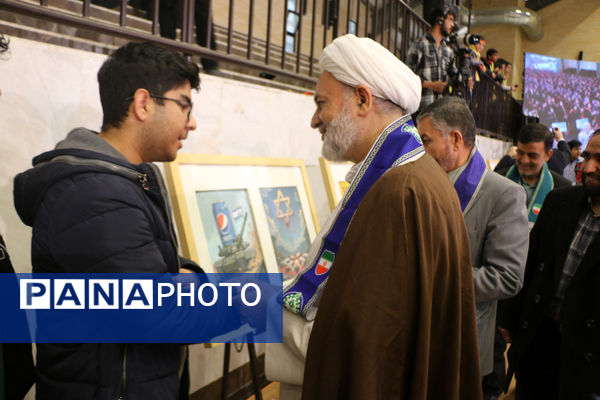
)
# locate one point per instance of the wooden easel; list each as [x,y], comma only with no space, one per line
[252,354]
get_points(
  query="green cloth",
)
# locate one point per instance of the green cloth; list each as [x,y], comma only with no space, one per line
[544,185]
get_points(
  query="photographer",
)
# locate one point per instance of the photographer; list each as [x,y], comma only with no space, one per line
[476,45]
[432,59]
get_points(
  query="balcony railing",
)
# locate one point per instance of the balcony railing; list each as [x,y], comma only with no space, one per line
[496,112]
[280,39]
[283,38]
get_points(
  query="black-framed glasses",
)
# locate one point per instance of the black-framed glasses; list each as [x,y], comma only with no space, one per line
[182,103]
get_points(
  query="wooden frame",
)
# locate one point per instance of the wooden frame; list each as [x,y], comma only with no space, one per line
[252,184]
[491,163]
[334,177]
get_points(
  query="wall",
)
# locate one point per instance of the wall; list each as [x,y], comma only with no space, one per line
[504,38]
[53,89]
[492,149]
[570,26]
[47,90]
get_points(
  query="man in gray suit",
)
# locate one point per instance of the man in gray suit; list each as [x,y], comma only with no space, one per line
[493,210]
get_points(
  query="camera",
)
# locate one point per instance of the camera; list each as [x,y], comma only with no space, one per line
[458,84]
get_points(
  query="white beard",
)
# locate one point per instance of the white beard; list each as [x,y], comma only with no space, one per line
[339,136]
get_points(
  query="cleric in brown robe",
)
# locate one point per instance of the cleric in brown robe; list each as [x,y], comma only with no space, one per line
[396,318]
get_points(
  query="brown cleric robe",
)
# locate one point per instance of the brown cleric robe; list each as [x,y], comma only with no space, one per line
[397,316]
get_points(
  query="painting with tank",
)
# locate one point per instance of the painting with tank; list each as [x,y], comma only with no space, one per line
[230,228]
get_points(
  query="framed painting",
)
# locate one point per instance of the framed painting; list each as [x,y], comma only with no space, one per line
[242,214]
[230,231]
[334,176]
[287,227]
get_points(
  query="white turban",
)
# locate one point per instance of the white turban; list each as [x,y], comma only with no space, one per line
[352,60]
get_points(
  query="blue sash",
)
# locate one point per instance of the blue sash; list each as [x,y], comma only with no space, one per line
[544,186]
[400,142]
[468,182]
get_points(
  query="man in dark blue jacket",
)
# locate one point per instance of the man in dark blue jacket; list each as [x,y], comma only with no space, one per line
[16,364]
[96,205]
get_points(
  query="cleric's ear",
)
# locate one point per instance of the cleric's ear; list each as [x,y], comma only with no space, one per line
[364,98]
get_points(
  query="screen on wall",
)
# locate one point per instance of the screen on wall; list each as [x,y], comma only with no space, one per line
[563,93]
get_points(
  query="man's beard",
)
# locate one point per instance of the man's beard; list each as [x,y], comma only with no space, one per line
[339,136]
[592,190]
[449,159]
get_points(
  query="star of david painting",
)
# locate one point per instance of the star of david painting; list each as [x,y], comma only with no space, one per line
[230,229]
[287,227]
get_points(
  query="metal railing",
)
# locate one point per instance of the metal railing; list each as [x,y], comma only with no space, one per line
[280,37]
[496,112]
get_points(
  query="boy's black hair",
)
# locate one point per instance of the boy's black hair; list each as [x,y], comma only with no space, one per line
[140,65]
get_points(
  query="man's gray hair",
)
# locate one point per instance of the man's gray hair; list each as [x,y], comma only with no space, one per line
[384,106]
[451,113]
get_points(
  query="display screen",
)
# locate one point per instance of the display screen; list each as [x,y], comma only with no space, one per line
[563,93]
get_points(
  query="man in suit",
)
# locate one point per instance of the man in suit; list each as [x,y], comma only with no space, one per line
[553,322]
[562,155]
[534,149]
[493,212]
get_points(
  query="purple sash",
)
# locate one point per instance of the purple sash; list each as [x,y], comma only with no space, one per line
[400,142]
[468,182]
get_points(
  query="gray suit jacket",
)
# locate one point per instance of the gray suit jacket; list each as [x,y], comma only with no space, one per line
[499,239]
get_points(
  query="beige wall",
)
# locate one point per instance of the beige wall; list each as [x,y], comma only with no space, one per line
[507,39]
[569,26]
